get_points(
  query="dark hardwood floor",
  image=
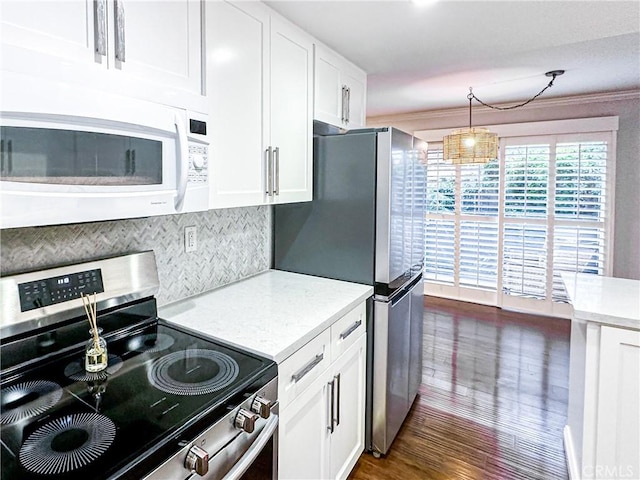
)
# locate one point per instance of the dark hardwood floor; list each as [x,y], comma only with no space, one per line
[493,401]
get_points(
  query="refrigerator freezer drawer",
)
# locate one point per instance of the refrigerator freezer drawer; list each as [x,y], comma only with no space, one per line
[397,363]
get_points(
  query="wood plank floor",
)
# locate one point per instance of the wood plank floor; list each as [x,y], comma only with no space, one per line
[493,401]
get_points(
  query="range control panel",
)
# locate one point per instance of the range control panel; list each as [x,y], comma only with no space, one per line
[49,291]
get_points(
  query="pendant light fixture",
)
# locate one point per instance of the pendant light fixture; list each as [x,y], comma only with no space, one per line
[479,145]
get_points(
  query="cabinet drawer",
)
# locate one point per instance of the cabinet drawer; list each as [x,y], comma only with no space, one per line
[347,330]
[298,371]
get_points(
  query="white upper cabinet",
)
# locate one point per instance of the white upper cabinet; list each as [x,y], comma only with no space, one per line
[291,112]
[140,48]
[237,57]
[340,90]
[259,90]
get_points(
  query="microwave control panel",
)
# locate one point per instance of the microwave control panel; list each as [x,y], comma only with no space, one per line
[49,291]
[198,163]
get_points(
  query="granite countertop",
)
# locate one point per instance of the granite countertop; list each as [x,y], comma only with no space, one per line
[272,314]
[606,300]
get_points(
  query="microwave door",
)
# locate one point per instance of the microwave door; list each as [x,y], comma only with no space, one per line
[70,172]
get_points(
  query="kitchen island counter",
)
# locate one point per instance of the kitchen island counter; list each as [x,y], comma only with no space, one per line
[605,300]
[272,314]
[601,436]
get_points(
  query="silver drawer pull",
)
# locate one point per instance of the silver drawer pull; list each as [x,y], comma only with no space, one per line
[350,330]
[307,368]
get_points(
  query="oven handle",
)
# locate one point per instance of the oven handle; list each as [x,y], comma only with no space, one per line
[250,455]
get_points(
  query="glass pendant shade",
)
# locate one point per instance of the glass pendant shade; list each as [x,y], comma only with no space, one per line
[471,145]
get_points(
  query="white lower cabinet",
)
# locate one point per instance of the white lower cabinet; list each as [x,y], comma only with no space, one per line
[347,439]
[602,436]
[321,432]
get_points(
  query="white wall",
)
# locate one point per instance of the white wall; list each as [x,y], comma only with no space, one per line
[626,105]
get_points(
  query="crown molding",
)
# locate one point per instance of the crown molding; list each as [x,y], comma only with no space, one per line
[624,95]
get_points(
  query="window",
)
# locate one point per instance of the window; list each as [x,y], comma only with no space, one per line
[504,231]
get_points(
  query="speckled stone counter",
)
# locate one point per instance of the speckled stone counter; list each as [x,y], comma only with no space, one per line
[272,314]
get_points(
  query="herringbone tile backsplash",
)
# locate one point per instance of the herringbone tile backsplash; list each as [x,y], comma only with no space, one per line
[232,244]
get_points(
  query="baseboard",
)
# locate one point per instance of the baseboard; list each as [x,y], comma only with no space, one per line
[570,454]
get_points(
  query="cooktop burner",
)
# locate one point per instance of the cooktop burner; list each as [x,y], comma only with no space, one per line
[67,443]
[28,399]
[194,372]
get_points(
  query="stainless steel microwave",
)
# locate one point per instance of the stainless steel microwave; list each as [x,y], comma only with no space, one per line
[70,155]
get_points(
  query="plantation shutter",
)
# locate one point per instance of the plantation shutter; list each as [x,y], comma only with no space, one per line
[511,226]
[581,194]
[479,190]
[440,228]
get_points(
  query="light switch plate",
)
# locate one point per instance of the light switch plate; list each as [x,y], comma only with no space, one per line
[190,239]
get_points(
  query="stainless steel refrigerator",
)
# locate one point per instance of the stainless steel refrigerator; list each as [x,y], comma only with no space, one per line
[366,225]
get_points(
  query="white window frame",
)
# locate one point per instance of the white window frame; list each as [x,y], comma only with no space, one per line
[530,132]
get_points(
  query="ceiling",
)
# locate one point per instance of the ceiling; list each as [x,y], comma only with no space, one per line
[426,57]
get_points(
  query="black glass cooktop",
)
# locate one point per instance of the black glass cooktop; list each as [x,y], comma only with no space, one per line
[162,385]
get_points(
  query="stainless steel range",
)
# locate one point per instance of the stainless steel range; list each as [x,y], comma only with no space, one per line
[169,404]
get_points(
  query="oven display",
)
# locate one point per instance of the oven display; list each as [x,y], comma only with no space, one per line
[49,291]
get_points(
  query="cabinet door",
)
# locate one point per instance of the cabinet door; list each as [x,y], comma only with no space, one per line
[303,434]
[237,46]
[347,439]
[291,111]
[618,435]
[50,38]
[328,88]
[162,44]
[332,74]
[356,82]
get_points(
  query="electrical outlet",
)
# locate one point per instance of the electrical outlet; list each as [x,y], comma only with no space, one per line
[190,239]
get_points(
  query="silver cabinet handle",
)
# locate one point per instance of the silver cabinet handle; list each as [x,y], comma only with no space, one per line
[100,26]
[332,386]
[348,106]
[350,330]
[119,22]
[268,160]
[276,188]
[337,380]
[343,103]
[296,377]
[10,156]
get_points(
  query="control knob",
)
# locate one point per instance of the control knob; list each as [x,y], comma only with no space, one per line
[197,461]
[261,406]
[197,161]
[246,421]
